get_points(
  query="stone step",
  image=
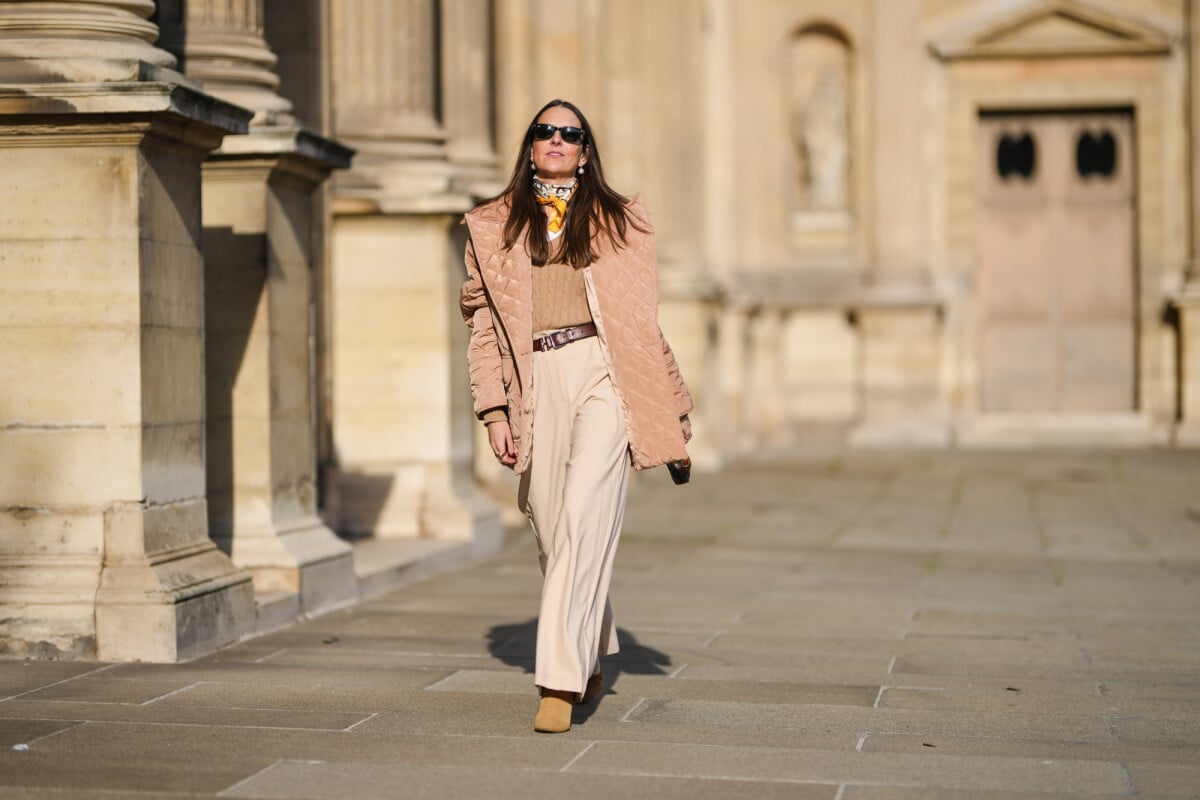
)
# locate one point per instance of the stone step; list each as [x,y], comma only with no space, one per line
[274,610]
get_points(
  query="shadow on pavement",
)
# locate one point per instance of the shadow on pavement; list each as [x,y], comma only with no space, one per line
[516,645]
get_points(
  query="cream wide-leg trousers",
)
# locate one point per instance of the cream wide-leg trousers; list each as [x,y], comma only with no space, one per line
[574,494]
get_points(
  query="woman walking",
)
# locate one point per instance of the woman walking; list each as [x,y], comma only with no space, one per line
[573,378]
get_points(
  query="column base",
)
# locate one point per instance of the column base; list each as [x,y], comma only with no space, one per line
[166,592]
[303,558]
[455,508]
[1188,436]
[379,502]
[908,431]
[416,501]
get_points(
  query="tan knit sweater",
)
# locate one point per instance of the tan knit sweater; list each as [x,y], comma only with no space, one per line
[559,301]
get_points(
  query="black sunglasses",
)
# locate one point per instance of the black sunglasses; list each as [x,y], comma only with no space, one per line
[570,135]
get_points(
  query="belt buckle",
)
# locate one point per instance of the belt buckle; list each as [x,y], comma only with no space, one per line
[546,340]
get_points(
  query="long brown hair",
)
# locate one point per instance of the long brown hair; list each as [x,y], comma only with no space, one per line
[595,207]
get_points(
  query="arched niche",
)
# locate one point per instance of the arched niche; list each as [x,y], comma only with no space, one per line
[820,126]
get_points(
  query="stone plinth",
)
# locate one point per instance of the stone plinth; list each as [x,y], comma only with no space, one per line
[402,421]
[258,217]
[900,351]
[104,544]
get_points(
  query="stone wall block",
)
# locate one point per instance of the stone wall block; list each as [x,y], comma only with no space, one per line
[62,464]
[900,361]
[901,358]
[48,613]
[821,350]
[42,361]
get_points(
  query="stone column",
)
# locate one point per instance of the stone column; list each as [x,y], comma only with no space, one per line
[384,100]
[467,97]
[259,214]
[1188,432]
[104,547]
[402,425]
[78,41]
[223,47]
[899,314]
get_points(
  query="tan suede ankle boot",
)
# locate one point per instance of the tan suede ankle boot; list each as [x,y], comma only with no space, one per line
[595,685]
[554,712]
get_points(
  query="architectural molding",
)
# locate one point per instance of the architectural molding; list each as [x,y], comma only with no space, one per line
[1051,29]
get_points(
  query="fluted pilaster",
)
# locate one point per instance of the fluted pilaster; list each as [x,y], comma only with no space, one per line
[384,72]
[467,93]
[385,76]
[225,49]
[78,41]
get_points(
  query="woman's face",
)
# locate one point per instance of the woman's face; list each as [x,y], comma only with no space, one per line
[553,159]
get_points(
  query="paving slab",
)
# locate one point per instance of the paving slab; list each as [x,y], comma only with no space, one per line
[815,766]
[925,793]
[870,625]
[40,768]
[164,714]
[1026,748]
[491,681]
[16,734]
[849,719]
[299,780]
[21,677]
[1165,780]
[115,741]
[994,700]
[59,793]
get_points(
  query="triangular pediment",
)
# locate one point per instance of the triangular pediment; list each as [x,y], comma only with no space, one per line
[1051,29]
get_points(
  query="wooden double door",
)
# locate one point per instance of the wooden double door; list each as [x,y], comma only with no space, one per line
[1055,254]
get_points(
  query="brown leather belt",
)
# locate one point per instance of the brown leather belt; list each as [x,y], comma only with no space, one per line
[556,339]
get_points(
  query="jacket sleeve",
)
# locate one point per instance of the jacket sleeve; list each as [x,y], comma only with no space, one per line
[483,352]
[683,398]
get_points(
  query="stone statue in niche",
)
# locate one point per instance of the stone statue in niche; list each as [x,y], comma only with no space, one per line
[820,128]
[823,143]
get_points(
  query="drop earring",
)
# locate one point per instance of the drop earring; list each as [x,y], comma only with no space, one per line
[580,170]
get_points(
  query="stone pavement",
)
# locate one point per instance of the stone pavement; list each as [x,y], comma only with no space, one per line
[863,626]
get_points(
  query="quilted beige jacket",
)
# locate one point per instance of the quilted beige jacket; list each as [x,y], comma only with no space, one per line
[622,293]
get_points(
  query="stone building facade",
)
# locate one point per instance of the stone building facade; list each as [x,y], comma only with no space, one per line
[232,386]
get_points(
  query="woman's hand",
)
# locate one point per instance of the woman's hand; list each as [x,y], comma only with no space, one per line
[500,438]
[686,424]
